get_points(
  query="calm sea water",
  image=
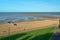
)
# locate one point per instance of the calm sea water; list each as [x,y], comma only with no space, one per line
[25,16]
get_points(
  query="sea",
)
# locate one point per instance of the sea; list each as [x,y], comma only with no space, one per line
[25,16]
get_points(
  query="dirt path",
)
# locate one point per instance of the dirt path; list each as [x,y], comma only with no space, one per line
[56,35]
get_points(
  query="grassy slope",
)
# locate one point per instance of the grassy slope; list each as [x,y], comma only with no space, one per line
[41,34]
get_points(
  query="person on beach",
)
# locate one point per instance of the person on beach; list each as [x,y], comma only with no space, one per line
[15,24]
[9,22]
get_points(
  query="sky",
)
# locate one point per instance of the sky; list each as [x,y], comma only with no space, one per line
[29,5]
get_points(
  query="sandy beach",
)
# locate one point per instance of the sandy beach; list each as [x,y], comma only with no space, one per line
[6,29]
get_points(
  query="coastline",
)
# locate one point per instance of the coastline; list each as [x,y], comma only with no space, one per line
[27,17]
[26,26]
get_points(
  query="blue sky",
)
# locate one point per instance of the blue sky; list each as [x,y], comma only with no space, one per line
[29,5]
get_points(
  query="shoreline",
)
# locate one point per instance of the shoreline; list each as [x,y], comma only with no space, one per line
[40,17]
[26,26]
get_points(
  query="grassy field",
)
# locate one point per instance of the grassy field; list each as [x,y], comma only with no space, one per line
[40,34]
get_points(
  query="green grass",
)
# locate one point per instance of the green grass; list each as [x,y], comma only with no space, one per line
[41,34]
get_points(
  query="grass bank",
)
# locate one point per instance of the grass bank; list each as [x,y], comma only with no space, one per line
[40,34]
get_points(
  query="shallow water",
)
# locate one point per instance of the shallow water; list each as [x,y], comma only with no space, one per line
[25,16]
